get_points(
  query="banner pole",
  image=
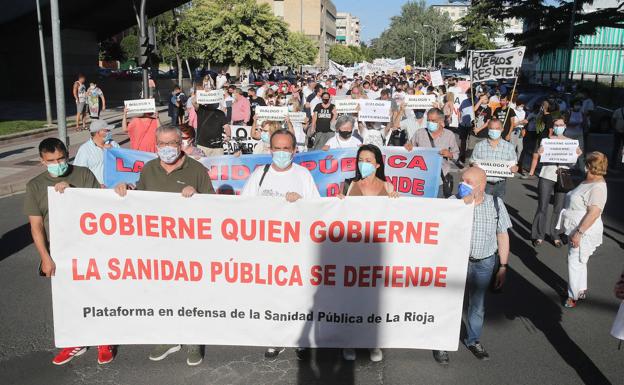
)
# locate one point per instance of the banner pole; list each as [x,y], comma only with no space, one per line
[513,91]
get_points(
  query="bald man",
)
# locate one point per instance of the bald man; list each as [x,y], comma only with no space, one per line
[489,239]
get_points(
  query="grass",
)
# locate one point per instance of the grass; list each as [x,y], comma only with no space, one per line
[8,127]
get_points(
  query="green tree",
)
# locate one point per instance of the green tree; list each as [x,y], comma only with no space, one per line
[478,32]
[298,50]
[130,47]
[407,30]
[240,32]
[342,54]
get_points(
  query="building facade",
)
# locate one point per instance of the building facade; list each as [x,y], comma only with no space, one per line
[347,29]
[314,18]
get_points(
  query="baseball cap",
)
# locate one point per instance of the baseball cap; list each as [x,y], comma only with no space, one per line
[99,124]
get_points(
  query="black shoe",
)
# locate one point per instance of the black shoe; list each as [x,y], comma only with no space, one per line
[441,357]
[303,354]
[478,351]
[272,353]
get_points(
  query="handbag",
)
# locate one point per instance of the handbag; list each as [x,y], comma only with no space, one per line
[564,181]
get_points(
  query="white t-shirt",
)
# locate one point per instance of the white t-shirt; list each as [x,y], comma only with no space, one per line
[278,183]
[520,115]
[455,90]
[336,142]
[221,80]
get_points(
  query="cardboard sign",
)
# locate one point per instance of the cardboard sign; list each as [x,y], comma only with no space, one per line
[496,168]
[297,117]
[419,102]
[559,151]
[436,78]
[347,106]
[374,110]
[277,114]
[140,106]
[209,97]
[496,64]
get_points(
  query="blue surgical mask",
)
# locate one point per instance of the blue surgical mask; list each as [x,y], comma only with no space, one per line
[432,126]
[265,137]
[58,169]
[366,169]
[559,130]
[463,190]
[168,154]
[494,134]
[282,159]
[109,137]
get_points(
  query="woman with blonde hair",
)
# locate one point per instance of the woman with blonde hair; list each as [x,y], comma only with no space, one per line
[297,128]
[263,134]
[582,222]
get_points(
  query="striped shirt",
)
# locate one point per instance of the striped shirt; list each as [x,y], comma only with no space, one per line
[485,227]
[484,151]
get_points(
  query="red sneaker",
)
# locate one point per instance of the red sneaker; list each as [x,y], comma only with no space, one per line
[105,354]
[67,354]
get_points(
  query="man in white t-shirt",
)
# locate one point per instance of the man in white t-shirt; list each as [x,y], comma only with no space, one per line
[344,134]
[221,80]
[285,179]
[282,178]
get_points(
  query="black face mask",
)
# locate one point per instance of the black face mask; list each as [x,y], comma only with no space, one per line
[325,101]
[345,134]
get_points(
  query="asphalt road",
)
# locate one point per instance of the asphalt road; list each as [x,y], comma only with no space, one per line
[530,336]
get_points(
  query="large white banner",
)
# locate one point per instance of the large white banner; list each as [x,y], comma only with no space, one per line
[496,64]
[157,268]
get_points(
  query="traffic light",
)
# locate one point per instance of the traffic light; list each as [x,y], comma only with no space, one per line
[146,49]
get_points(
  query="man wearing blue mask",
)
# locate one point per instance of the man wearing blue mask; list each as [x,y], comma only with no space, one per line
[283,179]
[60,174]
[489,240]
[91,153]
[495,149]
[436,136]
[173,172]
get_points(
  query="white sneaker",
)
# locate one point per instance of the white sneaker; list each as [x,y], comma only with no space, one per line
[348,354]
[375,354]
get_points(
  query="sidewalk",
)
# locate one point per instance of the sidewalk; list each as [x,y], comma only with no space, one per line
[19,158]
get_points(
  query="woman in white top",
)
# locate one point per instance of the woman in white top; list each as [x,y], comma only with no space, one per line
[344,134]
[617,330]
[582,222]
[298,128]
[546,187]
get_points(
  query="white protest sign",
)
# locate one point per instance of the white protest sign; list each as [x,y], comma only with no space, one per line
[436,78]
[209,97]
[140,106]
[346,106]
[271,113]
[374,110]
[419,102]
[496,64]
[241,135]
[496,168]
[559,151]
[220,270]
[297,117]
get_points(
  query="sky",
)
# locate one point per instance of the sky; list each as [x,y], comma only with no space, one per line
[374,14]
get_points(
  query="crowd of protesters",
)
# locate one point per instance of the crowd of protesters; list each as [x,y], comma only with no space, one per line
[466,124]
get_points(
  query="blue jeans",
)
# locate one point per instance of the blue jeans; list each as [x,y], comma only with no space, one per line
[477,281]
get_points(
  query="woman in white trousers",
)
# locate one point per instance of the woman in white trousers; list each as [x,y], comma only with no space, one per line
[581,219]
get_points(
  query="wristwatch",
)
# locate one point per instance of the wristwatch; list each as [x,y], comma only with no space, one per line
[504,265]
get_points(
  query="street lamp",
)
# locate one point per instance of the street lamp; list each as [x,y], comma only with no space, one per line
[435,42]
[422,51]
[409,38]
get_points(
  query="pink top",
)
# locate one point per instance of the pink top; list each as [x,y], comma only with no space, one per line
[241,110]
[142,133]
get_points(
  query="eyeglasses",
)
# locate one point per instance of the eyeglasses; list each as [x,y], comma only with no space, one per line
[171,144]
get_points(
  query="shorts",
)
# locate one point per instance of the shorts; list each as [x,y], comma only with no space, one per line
[80,107]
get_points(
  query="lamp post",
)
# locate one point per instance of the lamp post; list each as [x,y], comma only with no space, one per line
[435,42]
[422,52]
[414,40]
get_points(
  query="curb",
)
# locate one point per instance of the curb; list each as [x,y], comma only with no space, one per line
[12,188]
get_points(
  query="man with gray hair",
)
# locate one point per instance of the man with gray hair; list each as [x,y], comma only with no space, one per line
[344,134]
[172,172]
[91,153]
[436,136]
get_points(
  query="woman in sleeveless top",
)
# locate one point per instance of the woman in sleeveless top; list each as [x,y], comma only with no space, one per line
[370,180]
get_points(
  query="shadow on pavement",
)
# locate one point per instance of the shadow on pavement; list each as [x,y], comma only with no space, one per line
[14,240]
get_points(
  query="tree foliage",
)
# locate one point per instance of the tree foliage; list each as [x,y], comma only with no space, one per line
[110,50]
[399,39]
[130,47]
[298,50]
[548,22]
[478,32]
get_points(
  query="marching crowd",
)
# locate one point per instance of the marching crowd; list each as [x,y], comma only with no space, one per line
[467,124]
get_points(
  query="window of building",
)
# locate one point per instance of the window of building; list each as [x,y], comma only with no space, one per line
[278,8]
